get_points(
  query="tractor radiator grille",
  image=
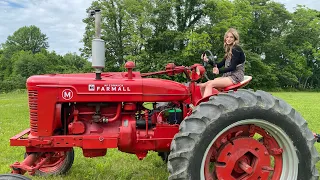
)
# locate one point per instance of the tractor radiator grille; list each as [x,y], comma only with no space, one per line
[33,106]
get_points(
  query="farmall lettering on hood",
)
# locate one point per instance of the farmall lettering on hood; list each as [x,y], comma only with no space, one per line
[114,86]
[109,88]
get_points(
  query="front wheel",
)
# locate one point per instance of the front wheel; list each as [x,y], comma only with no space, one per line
[13,177]
[59,163]
[243,135]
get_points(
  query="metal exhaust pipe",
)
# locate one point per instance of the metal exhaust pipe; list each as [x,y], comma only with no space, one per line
[98,46]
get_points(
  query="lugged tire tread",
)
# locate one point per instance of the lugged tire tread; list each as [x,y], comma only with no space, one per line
[221,105]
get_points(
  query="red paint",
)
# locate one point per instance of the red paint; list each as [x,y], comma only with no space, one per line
[230,154]
[237,155]
[244,164]
[25,165]
[49,162]
[76,110]
[239,85]
[129,107]
[129,65]
[94,152]
[77,127]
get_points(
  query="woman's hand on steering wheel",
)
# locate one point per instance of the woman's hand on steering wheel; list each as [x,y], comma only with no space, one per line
[204,57]
[215,70]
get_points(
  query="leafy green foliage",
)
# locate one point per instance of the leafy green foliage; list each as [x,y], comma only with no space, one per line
[256,67]
[27,39]
[24,54]
[282,47]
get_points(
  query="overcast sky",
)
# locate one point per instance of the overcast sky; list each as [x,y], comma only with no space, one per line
[61,20]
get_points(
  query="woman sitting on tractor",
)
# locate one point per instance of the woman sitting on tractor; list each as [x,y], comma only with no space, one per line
[233,63]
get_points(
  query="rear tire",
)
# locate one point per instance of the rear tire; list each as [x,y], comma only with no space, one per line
[215,132]
[164,156]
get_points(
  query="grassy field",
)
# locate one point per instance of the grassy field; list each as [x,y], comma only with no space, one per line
[116,165]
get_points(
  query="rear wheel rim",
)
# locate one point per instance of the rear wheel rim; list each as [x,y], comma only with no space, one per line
[285,163]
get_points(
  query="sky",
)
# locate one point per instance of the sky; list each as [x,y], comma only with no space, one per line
[61,20]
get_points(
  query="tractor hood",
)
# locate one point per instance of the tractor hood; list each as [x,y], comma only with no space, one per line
[113,87]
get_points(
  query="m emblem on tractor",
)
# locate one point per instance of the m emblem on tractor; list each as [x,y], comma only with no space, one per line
[67,94]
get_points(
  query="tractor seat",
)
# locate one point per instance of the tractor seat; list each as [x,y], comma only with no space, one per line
[243,83]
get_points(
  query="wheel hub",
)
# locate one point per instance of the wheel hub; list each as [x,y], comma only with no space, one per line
[243,165]
[242,157]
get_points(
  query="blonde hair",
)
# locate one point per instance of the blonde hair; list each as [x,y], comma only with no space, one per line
[228,48]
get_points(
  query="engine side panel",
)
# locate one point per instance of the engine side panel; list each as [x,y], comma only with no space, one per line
[50,90]
[160,90]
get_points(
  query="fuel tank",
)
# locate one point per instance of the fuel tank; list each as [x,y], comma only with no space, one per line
[113,87]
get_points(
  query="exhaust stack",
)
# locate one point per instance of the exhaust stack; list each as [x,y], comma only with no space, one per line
[98,47]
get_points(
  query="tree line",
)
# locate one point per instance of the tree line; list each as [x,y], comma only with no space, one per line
[282,47]
[25,53]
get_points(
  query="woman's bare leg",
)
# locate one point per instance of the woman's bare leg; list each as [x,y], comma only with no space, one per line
[220,82]
[202,87]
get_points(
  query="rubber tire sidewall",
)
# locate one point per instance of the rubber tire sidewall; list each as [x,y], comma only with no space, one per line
[13,177]
[280,120]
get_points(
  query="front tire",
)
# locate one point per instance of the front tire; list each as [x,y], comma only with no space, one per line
[59,163]
[219,140]
[13,177]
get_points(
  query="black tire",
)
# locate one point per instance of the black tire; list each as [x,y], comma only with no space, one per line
[164,156]
[203,126]
[62,170]
[13,177]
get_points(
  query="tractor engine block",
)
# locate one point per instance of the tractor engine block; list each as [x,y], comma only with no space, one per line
[81,115]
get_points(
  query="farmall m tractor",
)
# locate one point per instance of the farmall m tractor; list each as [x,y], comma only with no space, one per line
[231,135]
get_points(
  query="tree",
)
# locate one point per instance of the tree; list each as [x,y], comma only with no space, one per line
[225,14]
[75,64]
[135,28]
[25,54]
[270,21]
[27,38]
[303,41]
[282,48]
[27,64]
[115,25]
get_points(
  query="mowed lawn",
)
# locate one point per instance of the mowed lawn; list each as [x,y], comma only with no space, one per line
[117,165]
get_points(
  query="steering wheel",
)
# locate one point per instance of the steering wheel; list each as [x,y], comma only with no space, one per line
[211,58]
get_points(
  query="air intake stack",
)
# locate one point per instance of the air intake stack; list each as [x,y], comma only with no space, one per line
[98,47]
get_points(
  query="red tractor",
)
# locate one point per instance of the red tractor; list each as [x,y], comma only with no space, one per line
[232,134]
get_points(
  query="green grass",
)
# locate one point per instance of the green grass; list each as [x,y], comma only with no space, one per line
[14,117]
[117,165]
